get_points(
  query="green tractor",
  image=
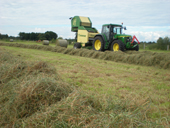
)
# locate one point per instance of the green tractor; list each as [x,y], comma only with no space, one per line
[111,37]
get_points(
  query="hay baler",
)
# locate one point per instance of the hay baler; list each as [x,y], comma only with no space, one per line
[85,33]
[110,38]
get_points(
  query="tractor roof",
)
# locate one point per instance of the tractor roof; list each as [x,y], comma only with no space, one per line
[113,25]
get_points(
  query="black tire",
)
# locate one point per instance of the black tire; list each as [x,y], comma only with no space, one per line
[77,46]
[98,44]
[137,47]
[76,36]
[117,45]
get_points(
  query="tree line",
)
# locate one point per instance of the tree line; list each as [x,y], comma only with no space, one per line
[160,44]
[48,35]
[3,36]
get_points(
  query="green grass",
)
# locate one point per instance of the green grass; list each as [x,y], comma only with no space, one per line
[141,86]
[26,42]
[71,46]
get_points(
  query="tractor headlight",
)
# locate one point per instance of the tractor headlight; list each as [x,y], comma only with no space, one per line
[129,39]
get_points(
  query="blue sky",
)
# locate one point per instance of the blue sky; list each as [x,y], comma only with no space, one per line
[147,19]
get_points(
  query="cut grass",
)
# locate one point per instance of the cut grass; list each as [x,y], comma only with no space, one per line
[132,86]
[161,60]
[71,46]
[26,88]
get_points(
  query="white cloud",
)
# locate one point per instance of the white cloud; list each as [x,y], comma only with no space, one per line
[52,15]
[41,30]
[148,33]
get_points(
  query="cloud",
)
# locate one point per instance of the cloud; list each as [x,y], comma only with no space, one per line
[148,33]
[52,15]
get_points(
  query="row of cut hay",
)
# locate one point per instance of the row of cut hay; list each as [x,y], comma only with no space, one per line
[26,88]
[33,95]
[83,109]
[146,58]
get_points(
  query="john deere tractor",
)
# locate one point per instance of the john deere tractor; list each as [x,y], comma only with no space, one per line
[110,38]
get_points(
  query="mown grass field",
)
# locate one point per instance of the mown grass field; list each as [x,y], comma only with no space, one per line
[32,43]
[71,46]
[112,94]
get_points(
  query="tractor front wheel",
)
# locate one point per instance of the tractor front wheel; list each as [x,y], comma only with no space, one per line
[77,45]
[137,47]
[117,45]
[98,44]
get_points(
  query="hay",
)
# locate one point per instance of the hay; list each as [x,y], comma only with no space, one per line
[60,49]
[67,51]
[46,42]
[27,88]
[145,58]
[82,109]
[11,40]
[47,48]
[62,43]
[33,95]
[73,52]
[38,92]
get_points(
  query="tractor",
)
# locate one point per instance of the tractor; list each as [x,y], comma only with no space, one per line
[110,38]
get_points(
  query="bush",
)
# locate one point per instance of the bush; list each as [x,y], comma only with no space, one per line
[161,44]
[53,41]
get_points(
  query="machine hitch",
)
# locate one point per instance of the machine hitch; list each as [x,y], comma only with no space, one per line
[134,37]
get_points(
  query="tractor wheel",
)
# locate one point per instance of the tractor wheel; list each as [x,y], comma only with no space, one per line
[137,47]
[98,44]
[117,45]
[77,46]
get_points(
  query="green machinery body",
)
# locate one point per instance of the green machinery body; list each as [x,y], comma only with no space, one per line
[84,31]
[110,38]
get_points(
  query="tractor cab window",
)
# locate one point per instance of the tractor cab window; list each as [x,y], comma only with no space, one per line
[105,30]
[117,30]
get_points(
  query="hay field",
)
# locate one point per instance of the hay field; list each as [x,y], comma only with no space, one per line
[91,92]
[147,58]
[31,43]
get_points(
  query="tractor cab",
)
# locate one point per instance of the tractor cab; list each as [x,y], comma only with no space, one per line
[110,30]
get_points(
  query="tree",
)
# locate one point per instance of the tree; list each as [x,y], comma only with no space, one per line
[3,36]
[49,35]
[166,40]
[33,36]
[60,37]
[41,36]
[163,42]
[22,35]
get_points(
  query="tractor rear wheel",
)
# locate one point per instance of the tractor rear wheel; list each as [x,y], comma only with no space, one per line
[117,45]
[98,44]
[77,46]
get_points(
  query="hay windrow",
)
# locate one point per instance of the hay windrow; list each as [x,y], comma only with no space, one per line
[73,52]
[84,110]
[67,51]
[146,58]
[59,49]
[26,88]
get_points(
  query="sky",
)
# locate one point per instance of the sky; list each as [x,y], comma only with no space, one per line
[146,19]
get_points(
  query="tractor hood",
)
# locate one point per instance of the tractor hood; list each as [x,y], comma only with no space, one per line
[121,36]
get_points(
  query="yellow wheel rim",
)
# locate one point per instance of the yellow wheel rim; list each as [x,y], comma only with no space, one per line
[116,47]
[97,44]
